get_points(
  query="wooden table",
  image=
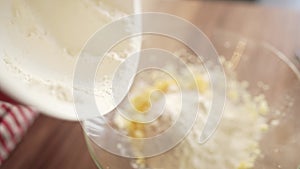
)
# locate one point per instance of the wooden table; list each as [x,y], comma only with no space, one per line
[52,143]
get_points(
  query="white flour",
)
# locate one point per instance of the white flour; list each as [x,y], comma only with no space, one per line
[235,143]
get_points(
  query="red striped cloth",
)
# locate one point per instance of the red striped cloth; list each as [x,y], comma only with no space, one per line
[14,121]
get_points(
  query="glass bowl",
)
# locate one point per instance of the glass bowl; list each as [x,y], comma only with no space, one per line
[264,70]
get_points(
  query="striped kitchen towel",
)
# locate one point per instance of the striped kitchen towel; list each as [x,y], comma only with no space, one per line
[14,121]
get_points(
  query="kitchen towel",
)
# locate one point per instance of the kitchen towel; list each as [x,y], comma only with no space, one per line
[14,122]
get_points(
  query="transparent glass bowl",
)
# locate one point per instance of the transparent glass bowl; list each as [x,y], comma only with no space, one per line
[268,72]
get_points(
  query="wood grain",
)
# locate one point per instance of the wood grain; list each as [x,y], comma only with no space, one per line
[52,143]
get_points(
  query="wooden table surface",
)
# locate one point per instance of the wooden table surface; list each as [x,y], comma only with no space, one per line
[51,143]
